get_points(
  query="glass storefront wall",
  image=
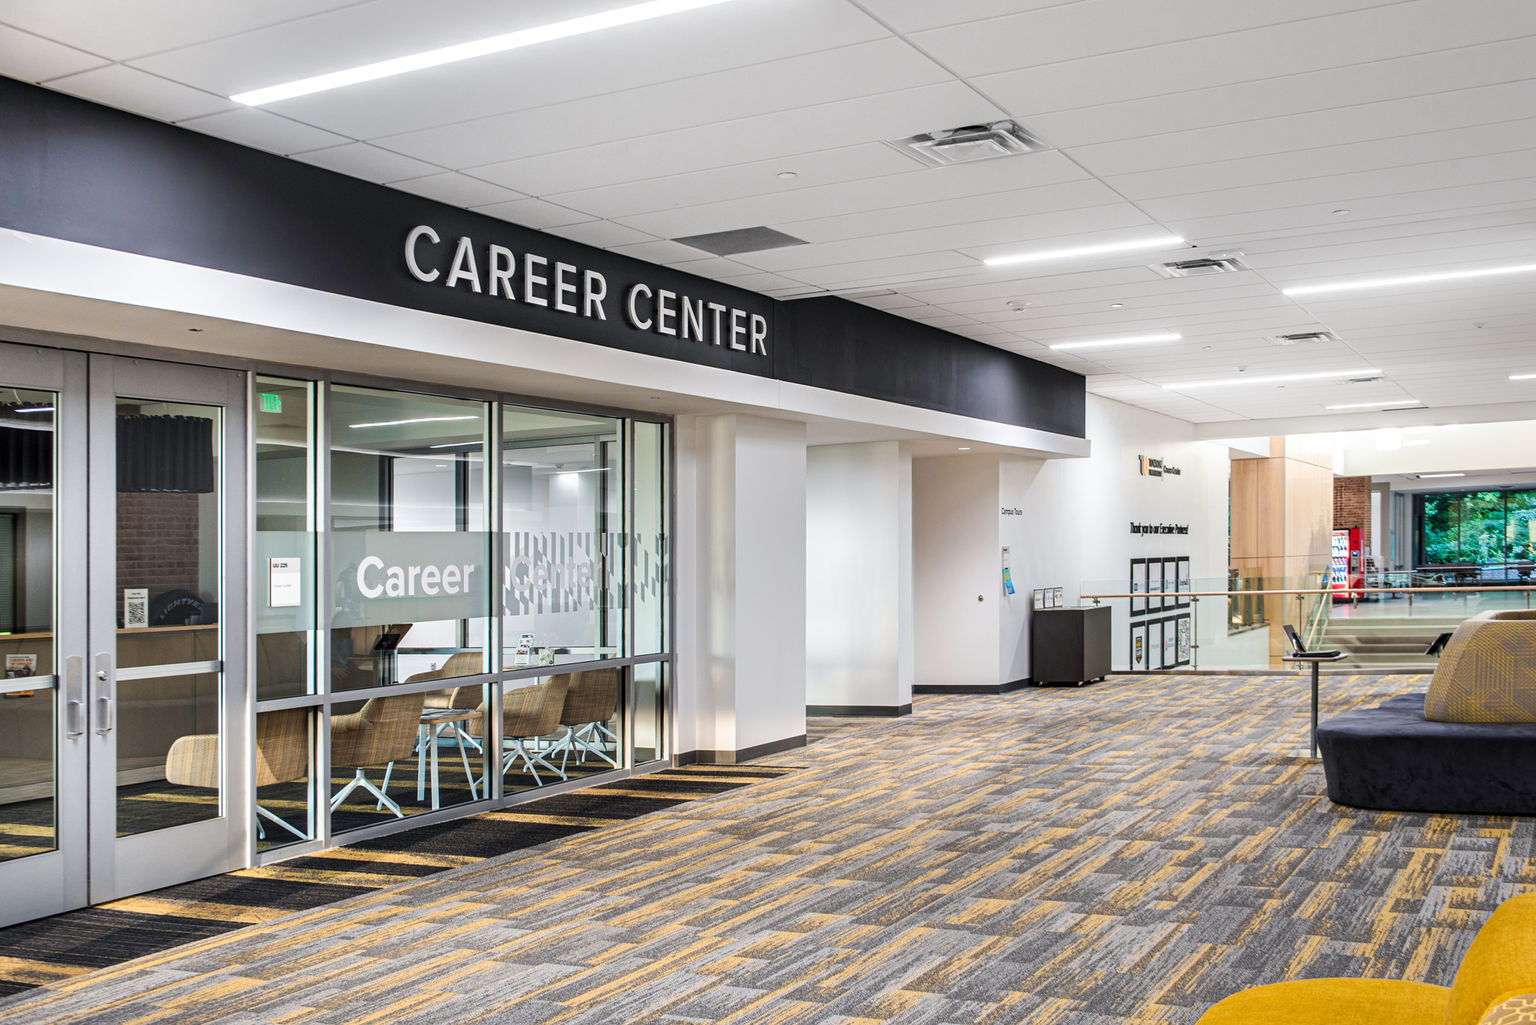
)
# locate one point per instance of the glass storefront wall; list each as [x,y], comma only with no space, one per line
[408,540]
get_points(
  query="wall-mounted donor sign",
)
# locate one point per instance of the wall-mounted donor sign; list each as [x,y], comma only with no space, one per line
[498,272]
[1159,528]
[1153,466]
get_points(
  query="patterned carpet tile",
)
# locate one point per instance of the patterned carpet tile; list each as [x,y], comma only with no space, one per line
[53,949]
[1129,852]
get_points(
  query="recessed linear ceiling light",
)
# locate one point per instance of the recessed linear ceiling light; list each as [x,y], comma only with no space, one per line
[1105,343]
[1512,377]
[415,420]
[1408,279]
[1434,476]
[1044,255]
[1376,405]
[1271,379]
[474,48]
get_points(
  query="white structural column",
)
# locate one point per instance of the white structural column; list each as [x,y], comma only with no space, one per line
[858,605]
[740,586]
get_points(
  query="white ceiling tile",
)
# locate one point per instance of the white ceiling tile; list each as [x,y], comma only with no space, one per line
[892,192]
[137,92]
[1378,154]
[1205,62]
[743,181]
[456,189]
[31,58]
[663,251]
[1071,31]
[915,15]
[534,213]
[1503,177]
[1233,102]
[632,56]
[1318,129]
[370,163]
[1021,202]
[124,30]
[602,234]
[893,115]
[263,130]
[867,69]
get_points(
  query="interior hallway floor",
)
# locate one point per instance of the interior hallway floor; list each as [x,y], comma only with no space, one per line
[1130,851]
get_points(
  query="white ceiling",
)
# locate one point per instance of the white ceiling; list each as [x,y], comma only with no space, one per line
[1321,139]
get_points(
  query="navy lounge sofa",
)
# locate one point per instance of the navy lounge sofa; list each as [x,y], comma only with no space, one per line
[1392,758]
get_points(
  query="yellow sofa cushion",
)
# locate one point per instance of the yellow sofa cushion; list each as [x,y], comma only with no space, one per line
[1487,672]
[1333,1002]
[1500,964]
[1520,1010]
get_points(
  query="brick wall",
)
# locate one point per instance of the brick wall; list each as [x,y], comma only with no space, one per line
[156,543]
[1352,506]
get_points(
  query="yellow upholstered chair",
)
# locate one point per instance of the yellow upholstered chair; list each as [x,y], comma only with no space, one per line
[1487,672]
[382,731]
[528,714]
[590,704]
[1520,1010]
[1500,966]
[282,756]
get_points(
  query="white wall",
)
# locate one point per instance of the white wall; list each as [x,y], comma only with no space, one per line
[741,582]
[1073,532]
[858,626]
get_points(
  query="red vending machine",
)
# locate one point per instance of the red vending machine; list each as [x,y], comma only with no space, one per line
[1346,567]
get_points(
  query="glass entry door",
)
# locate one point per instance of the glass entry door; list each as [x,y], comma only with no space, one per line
[123,710]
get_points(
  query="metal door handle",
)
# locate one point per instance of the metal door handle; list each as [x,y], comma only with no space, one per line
[74,695]
[104,695]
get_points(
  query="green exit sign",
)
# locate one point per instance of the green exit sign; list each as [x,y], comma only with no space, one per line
[271,403]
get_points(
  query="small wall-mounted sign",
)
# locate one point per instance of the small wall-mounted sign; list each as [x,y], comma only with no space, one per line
[285,584]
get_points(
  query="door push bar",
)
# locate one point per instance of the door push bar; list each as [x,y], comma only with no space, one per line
[74,695]
[104,696]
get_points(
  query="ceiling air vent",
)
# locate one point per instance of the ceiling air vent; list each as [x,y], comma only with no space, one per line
[1305,338]
[969,144]
[1226,263]
[741,240]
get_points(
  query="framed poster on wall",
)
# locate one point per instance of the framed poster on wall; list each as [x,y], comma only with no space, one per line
[1171,584]
[1139,648]
[1138,588]
[1182,647]
[1154,585]
[1184,582]
[1154,644]
[1170,642]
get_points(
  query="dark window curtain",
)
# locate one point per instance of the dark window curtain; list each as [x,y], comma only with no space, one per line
[165,454]
[26,456]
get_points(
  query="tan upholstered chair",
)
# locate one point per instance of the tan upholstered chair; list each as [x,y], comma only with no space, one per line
[462,663]
[282,756]
[590,705]
[527,714]
[382,731]
[1487,673]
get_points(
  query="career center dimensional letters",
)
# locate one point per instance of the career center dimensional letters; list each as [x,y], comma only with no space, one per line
[497,272]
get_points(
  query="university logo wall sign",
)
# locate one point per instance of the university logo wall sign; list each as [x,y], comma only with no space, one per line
[1152,466]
